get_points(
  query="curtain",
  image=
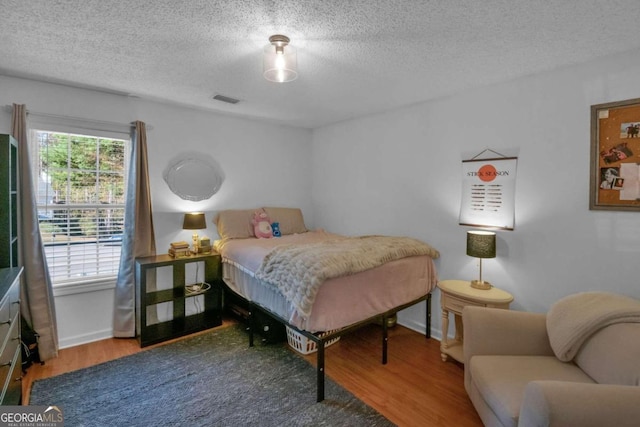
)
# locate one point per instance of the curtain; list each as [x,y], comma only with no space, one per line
[138,237]
[36,291]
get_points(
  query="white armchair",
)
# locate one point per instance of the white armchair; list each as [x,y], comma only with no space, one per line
[514,378]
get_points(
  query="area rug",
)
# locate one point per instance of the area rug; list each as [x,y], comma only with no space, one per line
[213,379]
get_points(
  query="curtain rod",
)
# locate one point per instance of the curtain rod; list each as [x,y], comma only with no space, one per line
[80,119]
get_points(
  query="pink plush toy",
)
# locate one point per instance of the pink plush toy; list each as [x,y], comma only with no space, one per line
[262,225]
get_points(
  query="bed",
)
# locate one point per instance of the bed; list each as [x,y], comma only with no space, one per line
[321,284]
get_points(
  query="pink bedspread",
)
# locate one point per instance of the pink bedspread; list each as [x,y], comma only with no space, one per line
[345,300]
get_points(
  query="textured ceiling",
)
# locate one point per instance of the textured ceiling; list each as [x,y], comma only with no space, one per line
[355,57]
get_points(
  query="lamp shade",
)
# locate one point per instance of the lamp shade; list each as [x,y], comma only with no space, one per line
[194,221]
[280,61]
[481,244]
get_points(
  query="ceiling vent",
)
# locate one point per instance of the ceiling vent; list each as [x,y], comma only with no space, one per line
[226,99]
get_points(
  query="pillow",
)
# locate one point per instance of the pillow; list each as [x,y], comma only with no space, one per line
[290,219]
[235,223]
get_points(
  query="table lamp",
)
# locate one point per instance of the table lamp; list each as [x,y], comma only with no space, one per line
[194,221]
[481,244]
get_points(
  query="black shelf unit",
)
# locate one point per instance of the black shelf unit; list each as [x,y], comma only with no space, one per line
[181,324]
[8,201]
[10,275]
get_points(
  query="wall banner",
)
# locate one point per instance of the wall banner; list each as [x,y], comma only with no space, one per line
[488,192]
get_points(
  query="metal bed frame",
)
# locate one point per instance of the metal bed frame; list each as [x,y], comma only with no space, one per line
[320,341]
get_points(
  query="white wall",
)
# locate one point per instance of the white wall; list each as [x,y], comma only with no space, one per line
[400,173]
[263,164]
[397,173]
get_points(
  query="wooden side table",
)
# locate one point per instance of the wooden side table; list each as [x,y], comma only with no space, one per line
[454,296]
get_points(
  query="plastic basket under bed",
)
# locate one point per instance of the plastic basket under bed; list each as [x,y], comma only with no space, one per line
[304,345]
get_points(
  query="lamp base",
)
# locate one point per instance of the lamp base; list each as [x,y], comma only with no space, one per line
[478,284]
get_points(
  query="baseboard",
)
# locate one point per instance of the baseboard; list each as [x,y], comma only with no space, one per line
[420,327]
[85,338]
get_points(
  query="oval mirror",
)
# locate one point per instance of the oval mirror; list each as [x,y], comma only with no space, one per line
[194,176]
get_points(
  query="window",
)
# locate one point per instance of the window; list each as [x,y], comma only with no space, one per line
[80,195]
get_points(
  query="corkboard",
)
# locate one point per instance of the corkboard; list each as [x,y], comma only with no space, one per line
[615,156]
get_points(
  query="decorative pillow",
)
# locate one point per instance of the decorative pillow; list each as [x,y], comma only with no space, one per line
[290,219]
[262,225]
[235,223]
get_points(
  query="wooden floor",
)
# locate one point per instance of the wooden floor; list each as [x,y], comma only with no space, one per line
[415,387]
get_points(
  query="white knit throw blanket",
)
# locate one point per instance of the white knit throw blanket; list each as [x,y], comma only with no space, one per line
[297,271]
[572,320]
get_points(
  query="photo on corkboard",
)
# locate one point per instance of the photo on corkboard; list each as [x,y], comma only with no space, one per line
[615,156]
[630,130]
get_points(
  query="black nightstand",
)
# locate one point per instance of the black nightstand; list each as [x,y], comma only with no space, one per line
[180,324]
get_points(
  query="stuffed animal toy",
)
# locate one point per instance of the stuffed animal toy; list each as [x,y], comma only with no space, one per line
[262,225]
[275,227]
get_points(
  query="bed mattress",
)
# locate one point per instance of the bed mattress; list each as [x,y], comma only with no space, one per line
[340,301]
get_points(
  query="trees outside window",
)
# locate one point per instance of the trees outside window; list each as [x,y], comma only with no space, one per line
[80,185]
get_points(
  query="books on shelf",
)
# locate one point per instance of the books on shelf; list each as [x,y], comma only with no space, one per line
[179,249]
[179,245]
[179,252]
[182,249]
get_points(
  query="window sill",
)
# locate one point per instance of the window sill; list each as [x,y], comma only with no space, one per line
[84,287]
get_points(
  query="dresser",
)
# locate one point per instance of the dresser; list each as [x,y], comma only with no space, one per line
[10,351]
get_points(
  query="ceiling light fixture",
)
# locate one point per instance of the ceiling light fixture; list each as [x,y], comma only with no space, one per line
[279,65]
